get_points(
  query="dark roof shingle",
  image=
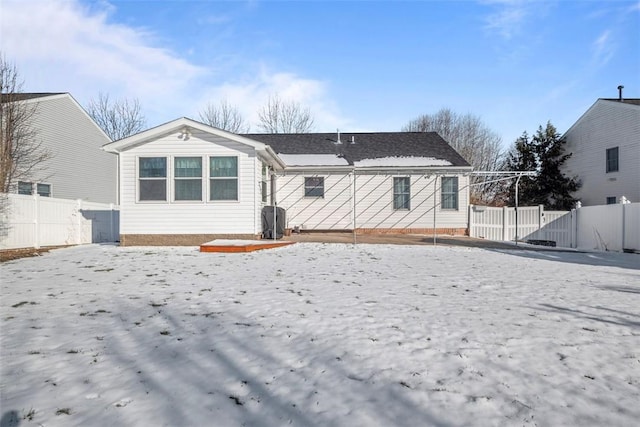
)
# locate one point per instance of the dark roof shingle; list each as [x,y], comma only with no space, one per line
[364,146]
[22,96]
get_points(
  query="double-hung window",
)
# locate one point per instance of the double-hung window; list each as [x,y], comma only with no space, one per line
[188,178]
[25,188]
[152,177]
[612,159]
[449,192]
[402,193]
[43,190]
[223,178]
[314,186]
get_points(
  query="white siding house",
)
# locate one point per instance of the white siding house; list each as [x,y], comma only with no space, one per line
[187,183]
[605,147]
[77,167]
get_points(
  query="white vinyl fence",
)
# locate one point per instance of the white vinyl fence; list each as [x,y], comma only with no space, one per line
[603,228]
[34,221]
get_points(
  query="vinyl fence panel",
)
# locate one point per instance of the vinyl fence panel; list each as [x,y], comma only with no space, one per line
[34,221]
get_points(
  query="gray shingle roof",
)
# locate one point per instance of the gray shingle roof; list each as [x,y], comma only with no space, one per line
[366,145]
[23,96]
[633,101]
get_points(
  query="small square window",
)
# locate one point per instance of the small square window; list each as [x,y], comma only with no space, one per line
[612,200]
[44,190]
[25,188]
[612,159]
[314,186]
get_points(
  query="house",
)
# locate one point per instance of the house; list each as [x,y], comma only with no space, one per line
[605,148]
[76,167]
[186,183]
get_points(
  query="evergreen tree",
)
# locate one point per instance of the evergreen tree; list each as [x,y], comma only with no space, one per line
[544,153]
[554,189]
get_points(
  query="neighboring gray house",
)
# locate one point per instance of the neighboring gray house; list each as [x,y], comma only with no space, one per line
[187,183]
[77,168]
[605,147]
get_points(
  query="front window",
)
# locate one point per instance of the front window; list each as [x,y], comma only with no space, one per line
[43,190]
[401,193]
[611,200]
[449,192]
[314,186]
[223,174]
[25,188]
[152,173]
[188,178]
[612,159]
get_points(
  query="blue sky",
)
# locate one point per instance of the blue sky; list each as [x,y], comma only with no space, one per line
[359,65]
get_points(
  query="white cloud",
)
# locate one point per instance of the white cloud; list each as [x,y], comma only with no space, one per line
[66,46]
[507,17]
[603,48]
[250,94]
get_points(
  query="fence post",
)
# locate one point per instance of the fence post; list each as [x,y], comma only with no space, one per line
[504,223]
[540,222]
[623,205]
[470,222]
[36,221]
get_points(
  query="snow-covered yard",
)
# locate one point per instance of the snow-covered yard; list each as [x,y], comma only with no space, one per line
[320,334]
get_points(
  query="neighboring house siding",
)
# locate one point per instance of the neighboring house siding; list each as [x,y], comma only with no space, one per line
[374,202]
[202,217]
[605,125]
[78,168]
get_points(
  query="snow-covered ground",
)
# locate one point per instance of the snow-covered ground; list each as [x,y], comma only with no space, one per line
[320,334]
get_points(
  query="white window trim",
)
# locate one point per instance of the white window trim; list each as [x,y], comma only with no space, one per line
[203,195]
[304,187]
[167,180]
[209,178]
[393,193]
[457,208]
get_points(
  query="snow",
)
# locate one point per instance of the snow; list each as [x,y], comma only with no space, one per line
[313,160]
[401,161]
[320,334]
[235,242]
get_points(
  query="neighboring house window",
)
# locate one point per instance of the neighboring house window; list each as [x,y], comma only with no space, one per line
[611,200]
[152,174]
[314,186]
[223,174]
[25,188]
[449,192]
[188,178]
[401,193]
[263,183]
[43,190]
[612,159]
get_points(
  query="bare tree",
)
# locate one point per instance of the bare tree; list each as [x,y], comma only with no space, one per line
[479,145]
[22,154]
[118,119]
[280,116]
[224,116]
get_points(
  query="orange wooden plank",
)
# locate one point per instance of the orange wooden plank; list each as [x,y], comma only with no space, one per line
[242,248]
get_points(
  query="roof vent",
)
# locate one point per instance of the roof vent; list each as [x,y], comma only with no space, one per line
[338,141]
[353,139]
[620,93]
